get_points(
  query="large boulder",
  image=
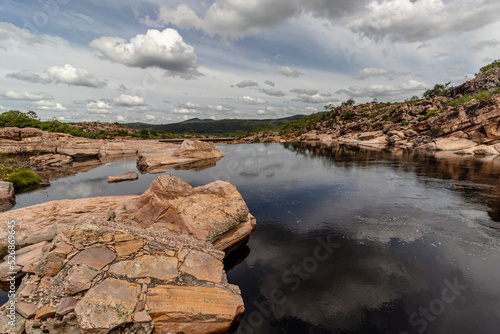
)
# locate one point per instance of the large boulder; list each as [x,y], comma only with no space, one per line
[215,212]
[83,283]
[189,152]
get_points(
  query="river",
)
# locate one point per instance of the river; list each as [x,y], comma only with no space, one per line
[349,241]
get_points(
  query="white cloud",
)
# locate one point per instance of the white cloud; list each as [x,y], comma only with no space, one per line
[182,16]
[184,111]
[316,98]
[74,76]
[99,107]
[287,71]
[49,106]
[246,83]
[272,92]
[129,101]
[11,95]
[164,49]
[120,118]
[29,77]
[377,91]
[373,72]
[305,91]
[416,21]
[188,105]
[10,31]
[251,100]
[150,117]
[486,44]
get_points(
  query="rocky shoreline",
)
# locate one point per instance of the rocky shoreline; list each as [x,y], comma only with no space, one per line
[128,264]
[431,125]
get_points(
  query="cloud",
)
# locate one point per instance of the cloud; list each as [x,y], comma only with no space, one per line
[189,105]
[49,106]
[272,92]
[417,21]
[10,31]
[305,91]
[99,107]
[251,100]
[487,44]
[129,101]
[316,98]
[120,118]
[373,72]
[246,83]
[270,83]
[150,117]
[164,49]
[26,96]
[376,91]
[74,76]
[184,111]
[287,71]
[231,19]
[29,77]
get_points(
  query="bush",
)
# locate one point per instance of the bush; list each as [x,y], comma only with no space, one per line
[438,90]
[349,103]
[486,68]
[482,95]
[24,177]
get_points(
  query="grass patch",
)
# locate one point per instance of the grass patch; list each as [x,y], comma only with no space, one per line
[483,95]
[24,177]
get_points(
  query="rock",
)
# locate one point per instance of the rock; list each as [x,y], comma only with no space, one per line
[180,285]
[125,248]
[127,176]
[173,307]
[188,152]
[52,160]
[7,196]
[171,205]
[161,268]
[94,257]
[157,171]
[370,135]
[453,144]
[107,305]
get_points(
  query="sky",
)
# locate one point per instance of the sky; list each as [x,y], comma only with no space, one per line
[165,61]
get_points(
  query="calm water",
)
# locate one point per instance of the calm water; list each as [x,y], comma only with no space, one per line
[350,242]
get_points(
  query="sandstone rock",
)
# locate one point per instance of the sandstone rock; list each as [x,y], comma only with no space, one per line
[453,144]
[53,160]
[66,305]
[370,135]
[27,310]
[79,279]
[126,248]
[188,152]
[47,311]
[107,305]
[157,171]
[94,257]
[161,268]
[127,176]
[142,317]
[173,306]
[7,196]
[203,266]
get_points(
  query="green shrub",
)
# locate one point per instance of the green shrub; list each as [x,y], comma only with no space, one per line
[438,90]
[24,177]
[486,68]
[431,113]
[482,95]
[405,122]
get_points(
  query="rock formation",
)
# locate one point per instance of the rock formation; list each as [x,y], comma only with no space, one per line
[128,264]
[104,277]
[126,176]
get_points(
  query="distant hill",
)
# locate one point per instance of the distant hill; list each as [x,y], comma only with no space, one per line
[208,126]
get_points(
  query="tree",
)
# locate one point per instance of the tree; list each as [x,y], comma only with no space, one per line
[438,90]
[349,103]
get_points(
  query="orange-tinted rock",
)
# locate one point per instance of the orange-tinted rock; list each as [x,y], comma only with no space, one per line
[202,266]
[27,310]
[53,160]
[66,305]
[107,305]
[47,311]
[193,309]
[126,248]
[126,176]
[79,279]
[95,257]
[162,268]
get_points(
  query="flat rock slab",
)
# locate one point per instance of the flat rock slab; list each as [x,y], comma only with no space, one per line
[127,176]
[7,196]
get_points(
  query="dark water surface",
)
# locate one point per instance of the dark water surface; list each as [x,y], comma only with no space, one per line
[350,242]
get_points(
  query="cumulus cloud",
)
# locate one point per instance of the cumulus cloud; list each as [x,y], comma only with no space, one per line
[73,76]
[287,71]
[99,107]
[49,106]
[26,96]
[184,111]
[414,21]
[272,92]
[230,19]
[269,82]
[164,49]
[29,77]
[129,101]
[10,31]
[189,105]
[373,72]
[246,83]
[376,91]
[315,98]
[305,91]
[120,118]
[252,100]
[150,117]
